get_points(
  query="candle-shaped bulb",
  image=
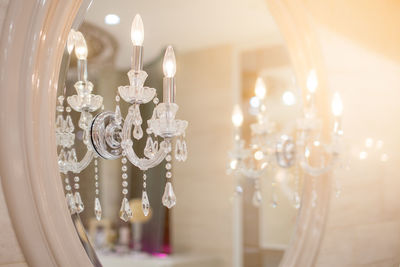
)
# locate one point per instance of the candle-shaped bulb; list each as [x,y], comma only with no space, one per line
[337,105]
[312,81]
[81,50]
[237,116]
[260,89]
[169,64]
[71,41]
[137,31]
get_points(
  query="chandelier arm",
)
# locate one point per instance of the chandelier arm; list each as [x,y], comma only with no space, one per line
[127,145]
[79,166]
[315,171]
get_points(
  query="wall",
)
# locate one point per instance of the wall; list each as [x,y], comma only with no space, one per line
[10,252]
[202,218]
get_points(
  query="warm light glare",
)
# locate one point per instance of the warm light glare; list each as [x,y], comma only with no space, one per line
[137,31]
[71,41]
[255,102]
[112,19]
[169,64]
[81,50]
[237,116]
[384,157]
[317,143]
[260,89]
[379,144]
[258,155]
[337,105]
[233,164]
[312,81]
[363,155]
[369,142]
[288,98]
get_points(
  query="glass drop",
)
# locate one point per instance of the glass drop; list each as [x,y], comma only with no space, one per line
[125,213]
[97,209]
[137,132]
[79,203]
[71,203]
[169,198]
[145,204]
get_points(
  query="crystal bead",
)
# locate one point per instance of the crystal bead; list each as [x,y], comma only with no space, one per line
[97,191]
[97,209]
[118,116]
[144,176]
[137,132]
[95,162]
[117,98]
[96,169]
[168,157]
[68,109]
[96,184]
[124,191]
[169,198]
[168,166]
[68,187]
[124,176]
[79,203]
[124,160]
[168,175]
[60,108]
[145,203]
[96,177]
[257,198]
[124,168]
[60,124]
[125,213]
[71,203]
[124,184]
[156,100]
[76,186]
[66,180]
[178,150]
[85,120]
[61,100]
[76,179]
[144,185]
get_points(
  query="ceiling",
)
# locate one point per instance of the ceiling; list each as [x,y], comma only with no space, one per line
[185,24]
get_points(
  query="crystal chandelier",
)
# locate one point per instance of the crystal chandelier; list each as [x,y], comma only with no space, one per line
[108,135]
[303,152]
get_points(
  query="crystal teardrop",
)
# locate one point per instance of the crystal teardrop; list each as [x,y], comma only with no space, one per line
[148,150]
[69,125]
[118,116]
[85,120]
[178,150]
[145,203]
[71,203]
[257,198]
[184,151]
[137,132]
[274,201]
[59,123]
[97,209]
[125,213]
[61,100]
[169,198]
[79,203]
[137,117]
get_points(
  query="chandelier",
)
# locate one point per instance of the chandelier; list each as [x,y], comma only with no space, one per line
[302,152]
[110,136]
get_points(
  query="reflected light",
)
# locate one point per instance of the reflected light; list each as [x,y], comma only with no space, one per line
[111,19]
[260,89]
[288,98]
[312,81]
[369,142]
[337,105]
[258,155]
[233,164]
[255,102]
[384,157]
[237,116]
[363,155]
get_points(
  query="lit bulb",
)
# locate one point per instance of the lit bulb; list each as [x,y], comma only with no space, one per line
[71,41]
[288,98]
[137,31]
[312,81]
[258,155]
[237,116]
[81,50]
[169,64]
[337,106]
[260,89]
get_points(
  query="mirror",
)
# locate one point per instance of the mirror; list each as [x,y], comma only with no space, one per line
[122,148]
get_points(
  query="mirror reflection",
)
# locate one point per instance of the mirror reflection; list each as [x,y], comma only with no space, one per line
[154,162]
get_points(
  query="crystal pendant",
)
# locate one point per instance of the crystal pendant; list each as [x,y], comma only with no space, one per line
[148,150]
[85,120]
[178,150]
[169,198]
[71,203]
[257,198]
[137,132]
[125,213]
[118,116]
[274,201]
[184,151]
[145,204]
[97,209]
[69,126]
[137,117]
[79,203]
[59,123]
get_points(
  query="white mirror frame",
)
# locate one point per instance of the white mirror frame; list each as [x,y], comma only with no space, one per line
[32,44]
